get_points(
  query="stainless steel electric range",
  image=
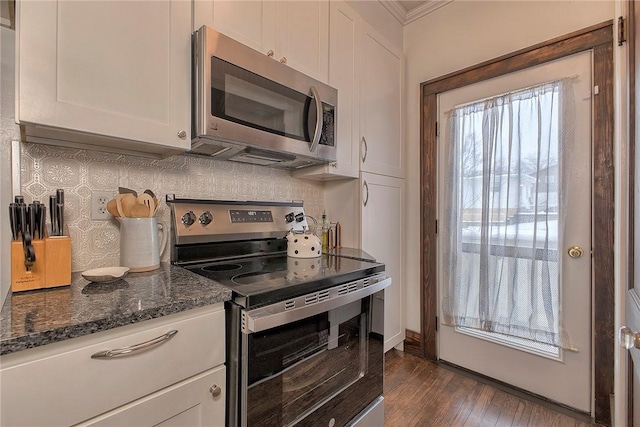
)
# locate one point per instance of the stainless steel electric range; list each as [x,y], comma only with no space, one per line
[304,335]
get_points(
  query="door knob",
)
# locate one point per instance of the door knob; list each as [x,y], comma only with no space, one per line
[629,339]
[575,252]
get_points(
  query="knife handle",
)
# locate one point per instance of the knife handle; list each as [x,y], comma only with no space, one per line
[60,216]
[52,214]
[60,196]
[31,224]
[13,219]
[22,216]
[42,221]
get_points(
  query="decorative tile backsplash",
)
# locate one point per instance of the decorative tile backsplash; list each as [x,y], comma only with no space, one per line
[94,244]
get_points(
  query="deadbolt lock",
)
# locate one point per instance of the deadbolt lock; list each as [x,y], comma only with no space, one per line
[575,252]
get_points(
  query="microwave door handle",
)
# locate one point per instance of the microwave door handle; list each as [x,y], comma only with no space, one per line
[319,119]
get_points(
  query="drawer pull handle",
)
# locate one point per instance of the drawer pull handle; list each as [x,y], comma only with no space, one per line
[125,351]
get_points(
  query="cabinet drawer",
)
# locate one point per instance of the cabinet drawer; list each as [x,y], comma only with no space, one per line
[188,403]
[68,386]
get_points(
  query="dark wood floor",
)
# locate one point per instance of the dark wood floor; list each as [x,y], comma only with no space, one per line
[422,393]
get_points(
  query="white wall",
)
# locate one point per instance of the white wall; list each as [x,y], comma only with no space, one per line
[8,131]
[457,36]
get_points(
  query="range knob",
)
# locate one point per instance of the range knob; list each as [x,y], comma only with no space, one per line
[206,218]
[289,217]
[189,218]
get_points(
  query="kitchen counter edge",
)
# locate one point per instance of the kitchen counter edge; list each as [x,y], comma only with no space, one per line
[37,318]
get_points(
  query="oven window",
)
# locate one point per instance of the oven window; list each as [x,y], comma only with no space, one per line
[246,98]
[293,369]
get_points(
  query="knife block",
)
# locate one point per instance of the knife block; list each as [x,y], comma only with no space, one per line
[21,278]
[57,258]
[52,267]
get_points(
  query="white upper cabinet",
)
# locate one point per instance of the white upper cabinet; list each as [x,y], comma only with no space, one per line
[293,32]
[106,74]
[250,22]
[381,146]
[343,75]
[367,71]
[302,36]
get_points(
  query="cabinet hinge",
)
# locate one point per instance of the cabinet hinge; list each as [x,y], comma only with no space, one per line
[437,129]
[436,226]
[436,323]
[622,30]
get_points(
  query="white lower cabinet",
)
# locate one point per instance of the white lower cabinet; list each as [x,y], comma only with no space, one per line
[198,401]
[64,384]
[382,215]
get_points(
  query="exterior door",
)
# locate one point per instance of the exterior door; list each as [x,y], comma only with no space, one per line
[547,370]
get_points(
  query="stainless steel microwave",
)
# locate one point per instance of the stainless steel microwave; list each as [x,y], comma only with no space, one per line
[248,107]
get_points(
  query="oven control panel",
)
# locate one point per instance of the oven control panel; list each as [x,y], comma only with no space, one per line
[243,215]
[201,221]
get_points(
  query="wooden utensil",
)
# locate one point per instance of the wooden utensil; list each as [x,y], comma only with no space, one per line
[139,210]
[125,190]
[119,207]
[112,208]
[147,201]
[127,201]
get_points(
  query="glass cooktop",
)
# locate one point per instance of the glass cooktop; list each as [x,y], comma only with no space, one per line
[262,280]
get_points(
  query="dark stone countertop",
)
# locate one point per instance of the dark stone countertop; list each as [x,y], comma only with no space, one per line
[35,318]
[351,253]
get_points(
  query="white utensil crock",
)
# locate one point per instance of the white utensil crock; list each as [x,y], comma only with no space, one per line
[142,241]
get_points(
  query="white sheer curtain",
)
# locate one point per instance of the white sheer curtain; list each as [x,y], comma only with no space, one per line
[502,221]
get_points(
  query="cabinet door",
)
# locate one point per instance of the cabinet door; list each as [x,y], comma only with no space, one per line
[380,106]
[294,32]
[343,75]
[302,36]
[197,401]
[382,237]
[250,22]
[107,68]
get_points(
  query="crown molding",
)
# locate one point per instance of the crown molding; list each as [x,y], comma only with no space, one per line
[395,8]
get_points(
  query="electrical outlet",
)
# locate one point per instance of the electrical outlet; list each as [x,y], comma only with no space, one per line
[99,200]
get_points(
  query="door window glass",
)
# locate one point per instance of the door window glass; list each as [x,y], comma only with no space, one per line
[505,158]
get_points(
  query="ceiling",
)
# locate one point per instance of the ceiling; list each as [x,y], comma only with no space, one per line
[406,11]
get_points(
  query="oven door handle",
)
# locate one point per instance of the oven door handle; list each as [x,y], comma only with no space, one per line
[261,319]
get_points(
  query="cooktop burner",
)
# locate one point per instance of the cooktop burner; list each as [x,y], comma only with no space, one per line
[262,280]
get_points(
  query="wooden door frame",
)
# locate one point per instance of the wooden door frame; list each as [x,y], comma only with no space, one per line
[599,39]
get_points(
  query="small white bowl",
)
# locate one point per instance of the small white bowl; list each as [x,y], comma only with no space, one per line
[105,274]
